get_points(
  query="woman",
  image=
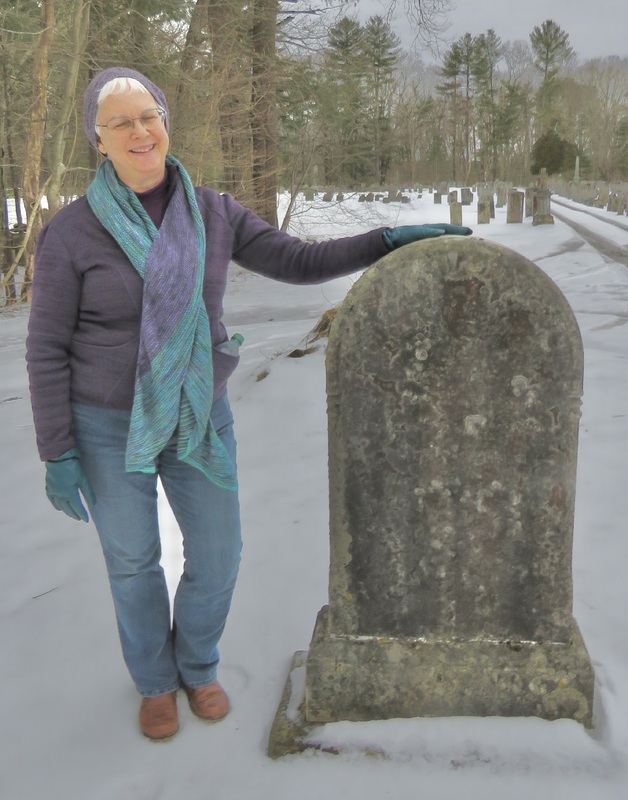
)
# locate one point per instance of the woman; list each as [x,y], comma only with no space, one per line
[128,384]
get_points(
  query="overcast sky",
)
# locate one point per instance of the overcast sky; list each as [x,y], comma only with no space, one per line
[596,28]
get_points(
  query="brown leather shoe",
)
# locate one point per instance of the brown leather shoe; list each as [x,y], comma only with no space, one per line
[158,716]
[209,703]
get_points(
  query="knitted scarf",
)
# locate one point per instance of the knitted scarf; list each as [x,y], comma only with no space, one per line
[174,377]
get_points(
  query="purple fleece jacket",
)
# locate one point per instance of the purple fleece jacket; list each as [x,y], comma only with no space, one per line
[87,303]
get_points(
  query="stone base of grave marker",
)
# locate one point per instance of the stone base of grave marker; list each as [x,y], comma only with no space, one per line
[351,677]
[454,378]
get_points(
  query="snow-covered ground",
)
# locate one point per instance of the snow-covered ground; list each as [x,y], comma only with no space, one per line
[68,710]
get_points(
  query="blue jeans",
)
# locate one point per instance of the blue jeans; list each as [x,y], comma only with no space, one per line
[161,656]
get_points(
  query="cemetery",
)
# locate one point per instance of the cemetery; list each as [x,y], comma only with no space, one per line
[495,647]
[431,451]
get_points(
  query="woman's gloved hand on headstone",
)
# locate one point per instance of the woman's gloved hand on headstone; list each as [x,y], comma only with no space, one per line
[64,479]
[405,234]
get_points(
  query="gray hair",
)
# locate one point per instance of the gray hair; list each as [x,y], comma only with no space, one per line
[92,93]
[120,86]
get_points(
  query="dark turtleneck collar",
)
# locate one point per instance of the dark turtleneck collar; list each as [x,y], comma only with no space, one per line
[155,201]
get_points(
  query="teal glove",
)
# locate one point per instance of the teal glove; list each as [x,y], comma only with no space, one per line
[64,479]
[405,234]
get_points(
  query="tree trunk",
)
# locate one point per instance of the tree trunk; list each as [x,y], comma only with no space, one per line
[195,39]
[231,80]
[80,29]
[264,109]
[35,140]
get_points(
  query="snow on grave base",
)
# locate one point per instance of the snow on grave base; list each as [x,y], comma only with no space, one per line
[454,378]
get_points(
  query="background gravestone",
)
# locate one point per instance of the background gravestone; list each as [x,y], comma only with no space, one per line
[466,196]
[484,212]
[455,213]
[514,212]
[454,378]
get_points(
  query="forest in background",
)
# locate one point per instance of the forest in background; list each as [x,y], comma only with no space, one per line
[271,95]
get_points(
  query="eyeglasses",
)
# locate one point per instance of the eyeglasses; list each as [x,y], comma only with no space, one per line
[150,119]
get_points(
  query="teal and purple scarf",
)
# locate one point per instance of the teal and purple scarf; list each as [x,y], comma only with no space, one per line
[174,377]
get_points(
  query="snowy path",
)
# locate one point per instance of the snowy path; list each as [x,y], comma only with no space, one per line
[607,234]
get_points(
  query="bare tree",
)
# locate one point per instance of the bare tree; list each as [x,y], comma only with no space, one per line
[604,85]
[428,19]
[74,53]
[35,141]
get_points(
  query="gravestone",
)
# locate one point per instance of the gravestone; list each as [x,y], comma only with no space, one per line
[514,212]
[542,210]
[454,377]
[484,211]
[455,213]
[486,195]
[542,213]
[466,196]
[437,198]
[452,197]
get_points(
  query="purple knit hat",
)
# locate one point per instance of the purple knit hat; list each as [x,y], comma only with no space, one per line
[90,101]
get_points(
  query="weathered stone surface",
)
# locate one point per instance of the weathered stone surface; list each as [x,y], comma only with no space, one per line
[454,377]
[514,212]
[466,196]
[289,731]
[455,213]
[453,442]
[484,212]
[542,214]
[378,677]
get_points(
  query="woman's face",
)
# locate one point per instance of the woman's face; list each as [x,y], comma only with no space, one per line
[138,154]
